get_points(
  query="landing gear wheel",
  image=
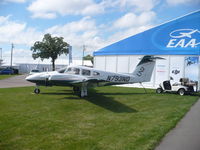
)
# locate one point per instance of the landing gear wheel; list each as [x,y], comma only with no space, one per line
[37,91]
[159,90]
[181,92]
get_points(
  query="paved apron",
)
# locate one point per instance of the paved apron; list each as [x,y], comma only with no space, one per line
[16,81]
[186,135]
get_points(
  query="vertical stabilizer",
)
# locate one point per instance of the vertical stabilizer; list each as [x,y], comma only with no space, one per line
[144,69]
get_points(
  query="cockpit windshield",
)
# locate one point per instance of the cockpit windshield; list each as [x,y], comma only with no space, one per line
[73,71]
[62,70]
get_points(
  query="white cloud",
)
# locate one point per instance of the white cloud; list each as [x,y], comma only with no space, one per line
[84,31]
[19,55]
[178,2]
[132,20]
[40,9]
[15,1]
[138,5]
[127,33]
[45,15]
[131,24]
[50,9]
[87,32]
[93,9]
[79,33]
[17,33]
[125,21]
[23,56]
[3,19]
[77,26]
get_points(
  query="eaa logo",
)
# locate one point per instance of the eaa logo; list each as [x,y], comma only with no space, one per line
[183,38]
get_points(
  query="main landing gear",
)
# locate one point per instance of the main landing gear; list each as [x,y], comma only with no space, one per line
[81,91]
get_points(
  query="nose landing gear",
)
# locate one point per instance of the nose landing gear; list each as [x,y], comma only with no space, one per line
[37,90]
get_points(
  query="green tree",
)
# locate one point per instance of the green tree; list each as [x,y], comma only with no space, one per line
[88,57]
[50,47]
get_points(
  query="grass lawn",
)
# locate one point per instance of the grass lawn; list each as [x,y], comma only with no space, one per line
[6,76]
[110,118]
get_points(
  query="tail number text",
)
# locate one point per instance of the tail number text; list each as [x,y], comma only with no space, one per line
[118,78]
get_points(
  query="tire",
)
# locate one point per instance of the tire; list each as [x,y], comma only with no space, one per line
[37,91]
[159,90]
[181,92]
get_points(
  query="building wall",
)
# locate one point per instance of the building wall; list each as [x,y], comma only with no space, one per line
[26,68]
[172,66]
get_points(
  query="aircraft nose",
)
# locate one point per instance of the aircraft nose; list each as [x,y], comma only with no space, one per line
[30,78]
[34,78]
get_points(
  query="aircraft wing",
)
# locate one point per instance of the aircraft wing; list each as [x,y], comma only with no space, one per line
[89,81]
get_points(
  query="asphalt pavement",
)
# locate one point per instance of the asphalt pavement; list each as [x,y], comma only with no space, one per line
[16,81]
[186,135]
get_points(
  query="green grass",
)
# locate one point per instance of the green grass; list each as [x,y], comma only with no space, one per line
[110,118]
[6,76]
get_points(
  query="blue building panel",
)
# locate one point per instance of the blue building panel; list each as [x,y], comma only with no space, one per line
[178,37]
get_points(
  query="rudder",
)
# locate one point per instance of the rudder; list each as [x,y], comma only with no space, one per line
[144,69]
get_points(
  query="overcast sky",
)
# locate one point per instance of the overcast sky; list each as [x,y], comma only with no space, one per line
[94,23]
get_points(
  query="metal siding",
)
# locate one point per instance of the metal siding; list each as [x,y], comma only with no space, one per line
[162,70]
[111,63]
[134,60]
[100,62]
[123,64]
[177,67]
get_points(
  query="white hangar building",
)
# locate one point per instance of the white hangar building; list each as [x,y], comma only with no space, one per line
[178,41]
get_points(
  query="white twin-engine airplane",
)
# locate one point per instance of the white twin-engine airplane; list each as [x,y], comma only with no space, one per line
[81,78]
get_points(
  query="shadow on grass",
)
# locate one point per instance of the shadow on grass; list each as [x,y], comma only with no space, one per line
[98,99]
[195,94]
[70,90]
[105,102]
[56,93]
[110,104]
[150,93]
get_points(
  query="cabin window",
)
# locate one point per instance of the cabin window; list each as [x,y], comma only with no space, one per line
[76,71]
[86,72]
[73,71]
[96,73]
